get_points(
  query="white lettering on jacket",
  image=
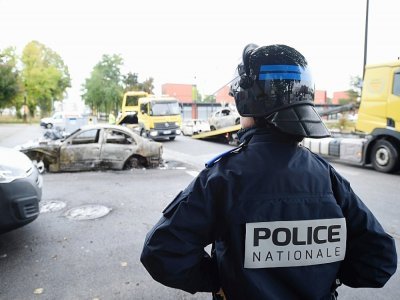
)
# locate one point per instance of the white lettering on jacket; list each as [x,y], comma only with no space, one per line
[294,243]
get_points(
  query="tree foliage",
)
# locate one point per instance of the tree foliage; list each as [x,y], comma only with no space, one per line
[45,77]
[9,77]
[103,90]
[354,93]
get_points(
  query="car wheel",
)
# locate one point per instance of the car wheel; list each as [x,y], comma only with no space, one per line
[143,133]
[49,125]
[132,163]
[212,128]
[384,157]
[39,165]
[237,121]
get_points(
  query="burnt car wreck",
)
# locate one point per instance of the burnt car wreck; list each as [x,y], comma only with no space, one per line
[95,147]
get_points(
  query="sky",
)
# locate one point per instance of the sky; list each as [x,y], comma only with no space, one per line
[201,42]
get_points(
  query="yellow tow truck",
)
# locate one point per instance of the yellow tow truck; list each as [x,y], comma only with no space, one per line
[376,140]
[151,116]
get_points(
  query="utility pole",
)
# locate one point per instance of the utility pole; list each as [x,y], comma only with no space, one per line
[365,38]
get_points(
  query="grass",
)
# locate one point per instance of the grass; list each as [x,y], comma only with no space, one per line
[16,120]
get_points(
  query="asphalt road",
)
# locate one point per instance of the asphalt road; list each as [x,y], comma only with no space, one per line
[59,256]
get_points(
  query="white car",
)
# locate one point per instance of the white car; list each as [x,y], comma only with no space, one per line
[223,118]
[59,120]
[20,190]
[194,126]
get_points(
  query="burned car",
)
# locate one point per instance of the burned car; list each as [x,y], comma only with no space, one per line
[94,147]
[224,118]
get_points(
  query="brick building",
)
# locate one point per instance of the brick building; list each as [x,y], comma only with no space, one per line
[222,96]
[320,97]
[337,96]
[183,92]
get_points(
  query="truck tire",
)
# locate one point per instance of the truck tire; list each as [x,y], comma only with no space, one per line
[385,157]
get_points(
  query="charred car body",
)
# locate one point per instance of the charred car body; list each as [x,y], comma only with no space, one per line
[20,190]
[95,147]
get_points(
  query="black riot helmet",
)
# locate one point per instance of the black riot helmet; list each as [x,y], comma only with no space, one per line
[274,83]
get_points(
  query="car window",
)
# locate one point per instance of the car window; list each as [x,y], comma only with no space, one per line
[118,137]
[396,84]
[225,112]
[86,137]
[57,116]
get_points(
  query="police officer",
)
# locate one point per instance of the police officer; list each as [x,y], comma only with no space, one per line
[283,223]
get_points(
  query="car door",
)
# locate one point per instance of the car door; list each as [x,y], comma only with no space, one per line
[81,151]
[226,118]
[117,147]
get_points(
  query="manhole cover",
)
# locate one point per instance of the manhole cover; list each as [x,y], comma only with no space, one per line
[87,212]
[50,206]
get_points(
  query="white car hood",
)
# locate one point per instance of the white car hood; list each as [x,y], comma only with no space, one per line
[14,159]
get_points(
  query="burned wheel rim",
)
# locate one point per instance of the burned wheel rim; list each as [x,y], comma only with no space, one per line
[132,163]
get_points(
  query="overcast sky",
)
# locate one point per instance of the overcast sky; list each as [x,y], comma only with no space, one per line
[200,42]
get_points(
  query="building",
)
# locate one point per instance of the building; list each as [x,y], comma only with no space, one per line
[320,97]
[222,96]
[185,93]
[337,96]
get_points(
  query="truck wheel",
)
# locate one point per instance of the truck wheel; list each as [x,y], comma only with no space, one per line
[212,128]
[385,157]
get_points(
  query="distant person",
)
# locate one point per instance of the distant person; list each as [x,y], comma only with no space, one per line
[284,224]
[111,118]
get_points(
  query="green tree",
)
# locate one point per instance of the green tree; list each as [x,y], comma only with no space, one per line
[210,99]
[196,96]
[147,85]
[102,91]
[354,93]
[9,78]
[130,82]
[45,77]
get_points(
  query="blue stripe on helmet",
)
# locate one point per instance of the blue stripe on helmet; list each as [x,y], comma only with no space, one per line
[277,68]
[282,76]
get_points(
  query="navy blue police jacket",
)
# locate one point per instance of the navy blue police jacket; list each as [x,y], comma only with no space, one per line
[284,223]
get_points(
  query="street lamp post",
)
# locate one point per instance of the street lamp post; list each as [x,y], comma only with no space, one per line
[366,38]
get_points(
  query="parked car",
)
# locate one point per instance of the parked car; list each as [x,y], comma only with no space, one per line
[223,118]
[93,147]
[20,190]
[194,126]
[59,120]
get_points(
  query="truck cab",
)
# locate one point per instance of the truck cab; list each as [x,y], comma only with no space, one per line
[159,117]
[151,116]
[380,99]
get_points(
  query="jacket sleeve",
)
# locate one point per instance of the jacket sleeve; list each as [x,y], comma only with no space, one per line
[371,257]
[173,251]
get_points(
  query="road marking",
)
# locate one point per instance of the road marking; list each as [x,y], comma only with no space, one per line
[193,173]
